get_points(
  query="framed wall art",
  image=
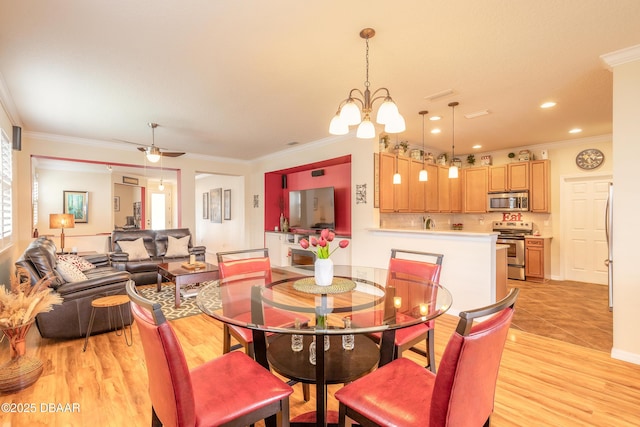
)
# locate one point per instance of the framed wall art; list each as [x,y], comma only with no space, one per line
[77,203]
[205,205]
[130,180]
[227,204]
[215,201]
[116,203]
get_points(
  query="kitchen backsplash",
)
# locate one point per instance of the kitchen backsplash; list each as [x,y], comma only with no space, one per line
[479,223]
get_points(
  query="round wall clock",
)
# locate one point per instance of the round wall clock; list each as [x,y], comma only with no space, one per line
[589,159]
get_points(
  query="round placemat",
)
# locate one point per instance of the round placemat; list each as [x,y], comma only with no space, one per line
[339,285]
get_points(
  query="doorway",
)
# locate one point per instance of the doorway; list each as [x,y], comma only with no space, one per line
[583,236]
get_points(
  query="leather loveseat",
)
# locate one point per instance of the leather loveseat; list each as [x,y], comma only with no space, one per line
[144,267]
[71,318]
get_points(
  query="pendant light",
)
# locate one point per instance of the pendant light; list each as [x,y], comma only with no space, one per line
[453,169]
[397,178]
[423,176]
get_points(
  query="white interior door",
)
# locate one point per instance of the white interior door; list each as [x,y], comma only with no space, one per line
[159,215]
[584,240]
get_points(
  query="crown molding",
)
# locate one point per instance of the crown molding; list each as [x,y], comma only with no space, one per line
[622,56]
[7,103]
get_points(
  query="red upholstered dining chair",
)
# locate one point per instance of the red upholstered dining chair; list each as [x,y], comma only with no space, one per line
[231,390]
[421,264]
[402,393]
[243,262]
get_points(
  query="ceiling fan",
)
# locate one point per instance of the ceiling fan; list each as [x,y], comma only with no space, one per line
[153,152]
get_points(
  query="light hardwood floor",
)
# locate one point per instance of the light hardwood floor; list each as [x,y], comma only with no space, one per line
[542,381]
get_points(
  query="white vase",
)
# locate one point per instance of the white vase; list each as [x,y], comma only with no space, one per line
[323,272]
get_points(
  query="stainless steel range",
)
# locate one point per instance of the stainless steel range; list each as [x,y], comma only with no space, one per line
[512,234]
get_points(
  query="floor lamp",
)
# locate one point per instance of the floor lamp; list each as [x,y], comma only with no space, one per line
[62,221]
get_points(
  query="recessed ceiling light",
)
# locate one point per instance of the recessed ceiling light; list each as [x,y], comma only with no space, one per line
[576,130]
[476,114]
[436,130]
[477,146]
[548,104]
[434,118]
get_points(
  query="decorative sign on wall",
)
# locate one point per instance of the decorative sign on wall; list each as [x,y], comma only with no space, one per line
[215,200]
[256,201]
[361,193]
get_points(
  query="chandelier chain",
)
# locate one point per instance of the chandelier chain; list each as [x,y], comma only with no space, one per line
[366,83]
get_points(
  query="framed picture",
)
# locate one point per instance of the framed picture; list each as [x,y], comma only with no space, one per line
[77,203]
[205,205]
[215,201]
[227,204]
[116,203]
[129,180]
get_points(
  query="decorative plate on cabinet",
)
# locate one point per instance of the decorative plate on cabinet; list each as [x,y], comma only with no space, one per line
[589,159]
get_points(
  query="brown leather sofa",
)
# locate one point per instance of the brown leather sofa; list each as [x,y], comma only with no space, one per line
[145,271]
[71,318]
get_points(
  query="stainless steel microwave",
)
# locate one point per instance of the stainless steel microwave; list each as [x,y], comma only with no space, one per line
[508,202]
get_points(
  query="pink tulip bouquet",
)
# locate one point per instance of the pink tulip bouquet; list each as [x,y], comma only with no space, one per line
[322,243]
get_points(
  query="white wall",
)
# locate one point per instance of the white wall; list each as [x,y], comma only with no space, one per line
[230,234]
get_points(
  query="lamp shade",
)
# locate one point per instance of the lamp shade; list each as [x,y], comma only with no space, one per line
[387,111]
[453,172]
[350,113]
[338,126]
[396,125]
[366,130]
[423,175]
[62,221]
[153,154]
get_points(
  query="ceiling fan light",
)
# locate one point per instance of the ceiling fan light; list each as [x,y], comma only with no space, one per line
[350,113]
[453,172]
[153,154]
[366,130]
[338,126]
[387,112]
[423,176]
[397,125]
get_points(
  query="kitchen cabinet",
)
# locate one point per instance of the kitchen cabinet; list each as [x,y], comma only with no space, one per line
[416,187]
[431,189]
[394,197]
[455,192]
[509,177]
[537,259]
[476,182]
[539,192]
[444,189]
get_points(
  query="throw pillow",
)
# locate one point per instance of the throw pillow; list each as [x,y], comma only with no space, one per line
[135,249]
[81,263]
[178,247]
[69,272]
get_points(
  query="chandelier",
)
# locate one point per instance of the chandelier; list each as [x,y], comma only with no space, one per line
[351,110]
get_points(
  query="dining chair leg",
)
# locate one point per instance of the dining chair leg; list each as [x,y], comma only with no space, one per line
[226,339]
[305,392]
[431,356]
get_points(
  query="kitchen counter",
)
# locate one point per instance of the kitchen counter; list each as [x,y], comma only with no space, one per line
[468,266]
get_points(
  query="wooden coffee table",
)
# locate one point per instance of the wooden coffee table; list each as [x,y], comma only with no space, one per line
[180,274]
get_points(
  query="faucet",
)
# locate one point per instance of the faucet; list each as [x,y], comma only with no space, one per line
[428,223]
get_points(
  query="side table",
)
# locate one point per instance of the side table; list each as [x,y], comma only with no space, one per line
[109,302]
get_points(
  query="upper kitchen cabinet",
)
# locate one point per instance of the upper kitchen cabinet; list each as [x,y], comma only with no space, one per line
[509,177]
[475,189]
[539,192]
[394,197]
[431,188]
[455,192]
[444,189]
[416,187]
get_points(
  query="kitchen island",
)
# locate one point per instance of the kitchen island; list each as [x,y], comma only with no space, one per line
[468,267]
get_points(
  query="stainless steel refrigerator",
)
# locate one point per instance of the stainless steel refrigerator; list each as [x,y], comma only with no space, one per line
[608,220]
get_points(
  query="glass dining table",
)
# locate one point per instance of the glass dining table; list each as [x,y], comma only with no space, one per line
[320,334]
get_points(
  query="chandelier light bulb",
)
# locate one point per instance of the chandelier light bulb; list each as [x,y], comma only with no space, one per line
[350,113]
[338,126]
[387,112]
[366,130]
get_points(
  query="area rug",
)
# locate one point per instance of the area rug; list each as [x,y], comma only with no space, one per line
[167,299]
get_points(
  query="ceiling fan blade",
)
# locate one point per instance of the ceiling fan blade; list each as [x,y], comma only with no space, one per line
[143,149]
[170,154]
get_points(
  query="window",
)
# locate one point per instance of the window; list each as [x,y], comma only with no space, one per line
[6,175]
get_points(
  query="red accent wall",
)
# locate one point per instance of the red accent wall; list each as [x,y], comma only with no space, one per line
[337,174]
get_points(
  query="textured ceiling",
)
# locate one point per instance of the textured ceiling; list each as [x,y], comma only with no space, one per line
[241,79]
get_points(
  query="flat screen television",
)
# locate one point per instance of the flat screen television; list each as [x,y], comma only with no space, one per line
[312,209]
